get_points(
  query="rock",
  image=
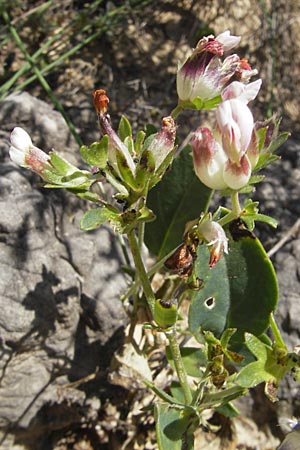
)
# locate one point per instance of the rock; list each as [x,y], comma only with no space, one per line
[61,315]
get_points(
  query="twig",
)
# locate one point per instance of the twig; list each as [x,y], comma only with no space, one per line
[293,231]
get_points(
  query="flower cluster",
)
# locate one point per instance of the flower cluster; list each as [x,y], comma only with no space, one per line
[225,157]
[203,75]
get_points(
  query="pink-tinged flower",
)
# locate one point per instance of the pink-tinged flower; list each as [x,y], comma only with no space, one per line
[235,125]
[163,142]
[240,91]
[216,239]
[25,154]
[213,166]
[202,74]
[209,159]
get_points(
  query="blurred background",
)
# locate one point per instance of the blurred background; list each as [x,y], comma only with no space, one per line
[61,51]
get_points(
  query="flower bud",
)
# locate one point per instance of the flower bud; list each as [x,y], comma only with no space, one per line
[25,154]
[216,239]
[163,142]
[209,159]
[101,103]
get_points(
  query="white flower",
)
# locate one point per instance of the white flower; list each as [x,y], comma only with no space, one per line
[25,154]
[216,239]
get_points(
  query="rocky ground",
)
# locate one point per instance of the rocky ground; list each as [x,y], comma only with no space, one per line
[61,317]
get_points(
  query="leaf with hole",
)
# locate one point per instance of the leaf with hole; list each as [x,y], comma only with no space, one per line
[244,289]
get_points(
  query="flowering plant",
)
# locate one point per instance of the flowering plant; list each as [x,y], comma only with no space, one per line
[211,260]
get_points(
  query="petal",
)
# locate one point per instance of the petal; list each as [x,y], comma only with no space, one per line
[20,139]
[17,156]
[235,123]
[228,40]
[243,92]
[237,176]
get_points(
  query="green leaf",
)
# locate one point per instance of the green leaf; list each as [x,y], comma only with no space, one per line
[264,160]
[95,217]
[228,410]
[96,153]
[239,292]
[178,198]
[124,129]
[278,141]
[125,171]
[212,103]
[138,143]
[144,169]
[171,424]
[61,165]
[76,180]
[193,359]
[163,395]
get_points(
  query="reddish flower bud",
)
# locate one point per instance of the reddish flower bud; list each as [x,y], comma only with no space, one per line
[100,101]
[163,143]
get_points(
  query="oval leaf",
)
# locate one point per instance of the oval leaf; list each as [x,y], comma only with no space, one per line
[178,198]
[171,425]
[96,153]
[239,292]
[95,217]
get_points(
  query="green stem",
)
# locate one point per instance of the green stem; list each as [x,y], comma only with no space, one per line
[180,370]
[141,271]
[236,208]
[176,111]
[157,266]
[276,333]
[226,219]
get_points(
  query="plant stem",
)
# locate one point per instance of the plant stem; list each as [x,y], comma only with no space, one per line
[176,111]
[180,370]
[141,271]
[236,208]
[276,333]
